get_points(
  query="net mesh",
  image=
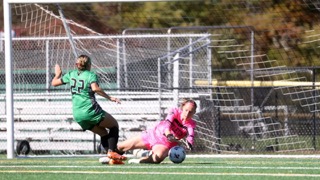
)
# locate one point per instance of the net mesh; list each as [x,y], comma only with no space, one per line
[250,100]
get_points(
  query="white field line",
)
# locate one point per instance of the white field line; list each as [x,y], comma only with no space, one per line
[315,156]
[163,173]
[166,167]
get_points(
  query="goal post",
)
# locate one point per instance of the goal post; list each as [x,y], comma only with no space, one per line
[9,79]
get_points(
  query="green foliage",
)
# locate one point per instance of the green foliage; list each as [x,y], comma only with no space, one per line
[273,21]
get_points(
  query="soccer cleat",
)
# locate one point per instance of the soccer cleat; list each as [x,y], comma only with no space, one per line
[134,161]
[119,152]
[114,161]
[116,156]
[141,153]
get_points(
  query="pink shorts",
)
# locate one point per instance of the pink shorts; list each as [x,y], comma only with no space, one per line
[150,139]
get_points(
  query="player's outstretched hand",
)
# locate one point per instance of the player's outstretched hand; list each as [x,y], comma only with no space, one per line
[186,144]
[115,100]
[57,70]
[171,138]
[189,146]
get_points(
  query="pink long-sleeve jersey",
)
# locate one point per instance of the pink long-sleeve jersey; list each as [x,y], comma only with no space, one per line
[180,129]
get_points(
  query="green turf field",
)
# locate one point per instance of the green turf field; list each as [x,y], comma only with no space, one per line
[191,168]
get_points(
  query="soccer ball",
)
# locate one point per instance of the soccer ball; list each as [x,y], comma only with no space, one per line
[177,154]
[104,160]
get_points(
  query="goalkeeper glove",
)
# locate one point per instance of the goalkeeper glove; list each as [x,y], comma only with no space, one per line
[189,146]
[170,137]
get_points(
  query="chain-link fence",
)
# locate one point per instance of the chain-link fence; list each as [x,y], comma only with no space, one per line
[151,73]
[143,71]
[249,100]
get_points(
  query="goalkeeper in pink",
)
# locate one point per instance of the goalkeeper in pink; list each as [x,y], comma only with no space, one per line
[166,134]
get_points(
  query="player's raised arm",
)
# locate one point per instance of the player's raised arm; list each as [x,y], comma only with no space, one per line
[56,81]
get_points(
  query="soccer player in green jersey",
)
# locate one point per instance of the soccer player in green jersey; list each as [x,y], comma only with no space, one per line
[86,111]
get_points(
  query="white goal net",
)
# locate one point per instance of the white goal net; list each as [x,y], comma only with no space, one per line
[137,68]
[249,100]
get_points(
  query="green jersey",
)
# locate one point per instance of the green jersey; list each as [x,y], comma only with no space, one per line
[86,111]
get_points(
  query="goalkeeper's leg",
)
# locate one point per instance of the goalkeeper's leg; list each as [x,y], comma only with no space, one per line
[159,153]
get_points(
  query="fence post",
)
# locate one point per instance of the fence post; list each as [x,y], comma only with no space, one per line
[48,66]
[118,66]
[176,77]
[314,109]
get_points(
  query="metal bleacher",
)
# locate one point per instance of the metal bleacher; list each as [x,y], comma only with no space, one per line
[46,121]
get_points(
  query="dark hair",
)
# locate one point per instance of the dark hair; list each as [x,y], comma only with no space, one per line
[185,101]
